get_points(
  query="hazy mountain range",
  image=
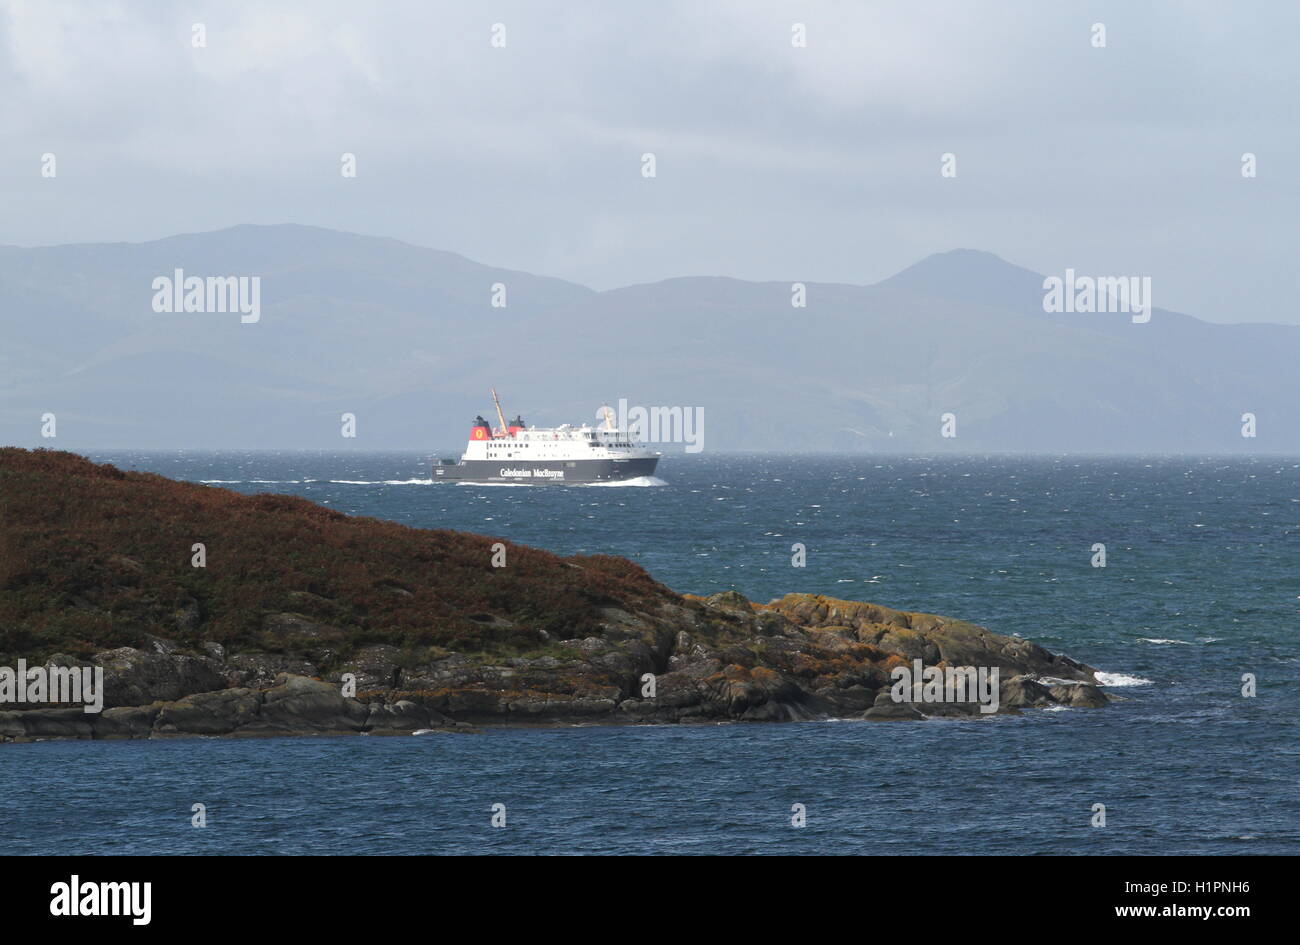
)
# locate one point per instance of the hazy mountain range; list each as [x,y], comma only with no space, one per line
[407,339]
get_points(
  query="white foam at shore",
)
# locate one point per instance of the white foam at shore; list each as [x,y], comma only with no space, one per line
[1120,679]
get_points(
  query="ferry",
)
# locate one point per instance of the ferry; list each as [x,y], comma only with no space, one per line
[515,452]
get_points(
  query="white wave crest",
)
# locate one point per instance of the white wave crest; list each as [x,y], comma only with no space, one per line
[337,482]
[382,482]
[266,482]
[639,481]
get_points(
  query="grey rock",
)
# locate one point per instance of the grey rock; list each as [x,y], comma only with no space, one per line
[299,704]
[209,713]
[732,601]
[852,700]
[126,721]
[136,677]
[260,670]
[892,712]
[375,667]
[1082,695]
[1021,691]
[400,716]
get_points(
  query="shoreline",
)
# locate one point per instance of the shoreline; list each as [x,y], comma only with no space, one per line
[487,727]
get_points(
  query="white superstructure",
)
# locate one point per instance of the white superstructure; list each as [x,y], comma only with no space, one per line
[516,452]
[564,442]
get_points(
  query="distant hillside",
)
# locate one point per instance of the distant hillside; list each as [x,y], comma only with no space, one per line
[407,340]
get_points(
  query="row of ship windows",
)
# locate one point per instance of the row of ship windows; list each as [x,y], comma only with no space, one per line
[502,455]
[568,465]
[592,445]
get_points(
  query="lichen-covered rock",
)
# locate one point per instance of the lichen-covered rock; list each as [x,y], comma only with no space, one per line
[400,716]
[208,713]
[298,704]
[136,677]
[374,667]
[738,661]
[730,601]
[260,670]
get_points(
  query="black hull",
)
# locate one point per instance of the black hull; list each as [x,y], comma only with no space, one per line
[546,473]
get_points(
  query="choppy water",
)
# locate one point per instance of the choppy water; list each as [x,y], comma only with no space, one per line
[1202,584]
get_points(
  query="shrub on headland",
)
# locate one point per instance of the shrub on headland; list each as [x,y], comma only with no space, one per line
[92,557]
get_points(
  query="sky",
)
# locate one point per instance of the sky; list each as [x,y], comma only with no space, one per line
[819,163]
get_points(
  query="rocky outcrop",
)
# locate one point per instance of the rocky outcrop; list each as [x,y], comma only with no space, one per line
[371,627]
[295,705]
[697,660]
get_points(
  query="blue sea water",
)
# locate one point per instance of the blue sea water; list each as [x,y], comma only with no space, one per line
[1202,585]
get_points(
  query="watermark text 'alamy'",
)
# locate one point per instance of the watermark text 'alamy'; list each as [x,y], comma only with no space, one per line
[1099,294]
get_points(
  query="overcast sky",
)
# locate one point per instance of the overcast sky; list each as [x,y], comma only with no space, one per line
[773,162]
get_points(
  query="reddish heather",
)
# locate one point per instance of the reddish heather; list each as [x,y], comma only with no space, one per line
[94,557]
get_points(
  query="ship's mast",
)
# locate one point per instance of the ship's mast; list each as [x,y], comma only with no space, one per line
[500,416]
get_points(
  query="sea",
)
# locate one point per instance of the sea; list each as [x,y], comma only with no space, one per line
[1193,620]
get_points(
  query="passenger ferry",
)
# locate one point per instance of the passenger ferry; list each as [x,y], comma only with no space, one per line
[516,452]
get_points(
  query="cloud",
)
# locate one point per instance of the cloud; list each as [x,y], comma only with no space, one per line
[773,160]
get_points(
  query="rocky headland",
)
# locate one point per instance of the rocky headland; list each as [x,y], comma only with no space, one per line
[214,613]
